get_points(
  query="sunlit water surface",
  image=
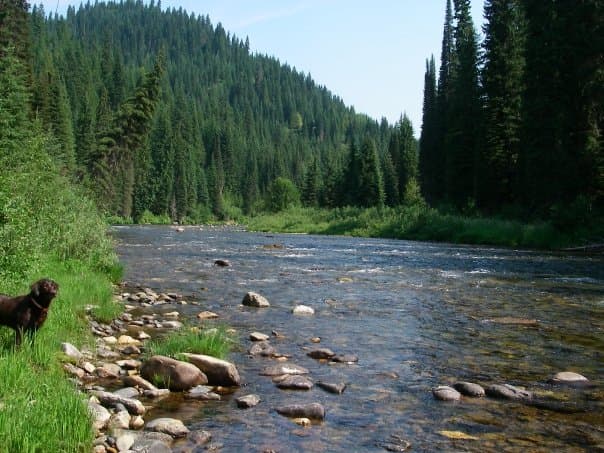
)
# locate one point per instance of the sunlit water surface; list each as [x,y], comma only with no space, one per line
[416,315]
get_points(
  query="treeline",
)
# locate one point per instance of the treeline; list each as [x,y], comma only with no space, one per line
[514,124]
[162,112]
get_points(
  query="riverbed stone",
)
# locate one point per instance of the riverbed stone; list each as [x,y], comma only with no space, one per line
[127,392]
[171,426]
[207,315]
[71,351]
[171,324]
[247,401]
[128,340]
[509,392]
[119,420]
[314,411]
[151,442]
[171,373]
[100,415]
[222,263]
[252,299]
[469,389]
[203,393]
[345,358]
[138,381]
[284,368]
[293,382]
[258,336]
[337,388]
[446,393]
[218,372]
[303,310]
[125,441]
[156,393]
[112,400]
[263,348]
[321,354]
[569,377]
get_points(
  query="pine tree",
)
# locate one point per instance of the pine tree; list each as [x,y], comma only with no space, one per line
[371,187]
[503,83]
[428,152]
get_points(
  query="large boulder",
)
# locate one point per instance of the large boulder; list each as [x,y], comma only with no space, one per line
[219,372]
[252,299]
[173,374]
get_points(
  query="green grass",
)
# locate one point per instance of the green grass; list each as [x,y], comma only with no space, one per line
[215,342]
[419,222]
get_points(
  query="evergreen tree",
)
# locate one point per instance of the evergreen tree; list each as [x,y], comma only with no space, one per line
[312,182]
[371,187]
[503,83]
[428,152]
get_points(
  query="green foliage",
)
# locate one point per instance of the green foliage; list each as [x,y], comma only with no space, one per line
[216,342]
[282,194]
[148,218]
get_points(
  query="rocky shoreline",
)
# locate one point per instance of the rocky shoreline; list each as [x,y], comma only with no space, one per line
[122,388]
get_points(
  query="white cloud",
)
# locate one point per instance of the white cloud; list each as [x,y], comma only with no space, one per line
[270,15]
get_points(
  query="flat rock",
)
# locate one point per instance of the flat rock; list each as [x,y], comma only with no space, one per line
[321,354]
[100,415]
[569,377]
[509,392]
[247,401]
[252,299]
[285,368]
[128,340]
[203,393]
[303,310]
[156,393]
[314,411]
[125,441]
[152,442]
[446,393]
[71,351]
[332,388]
[469,389]
[171,426]
[219,372]
[207,315]
[171,324]
[127,392]
[173,374]
[257,336]
[138,381]
[293,382]
[111,399]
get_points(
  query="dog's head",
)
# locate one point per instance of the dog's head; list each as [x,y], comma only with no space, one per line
[44,291]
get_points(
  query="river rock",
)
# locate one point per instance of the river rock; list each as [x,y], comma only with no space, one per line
[257,336]
[303,310]
[289,368]
[100,415]
[174,374]
[151,442]
[71,351]
[446,393]
[128,340]
[137,422]
[252,299]
[222,263]
[127,392]
[345,358]
[569,377]
[119,420]
[322,353]
[510,320]
[263,348]
[108,371]
[171,324]
[74,370]
[111,399]
[203,393]
[247,401]
[293,382]
[509,392]
[207,315]
[129,364]
[125,441]
[302,421]
[313,411]
[156,393]
[171,426]
[469,389]
[138,381]
[219,372]
[332,388]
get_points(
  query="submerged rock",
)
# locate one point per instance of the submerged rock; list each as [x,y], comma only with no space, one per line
[303,310]
[263,348]
[278,370]
[569,377]
[247,401]
[293,382]
[258,336]
[332,388]
[322,353]
[507,391]
[171,426]
[345,358]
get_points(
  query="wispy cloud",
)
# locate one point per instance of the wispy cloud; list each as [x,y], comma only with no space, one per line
[271,15]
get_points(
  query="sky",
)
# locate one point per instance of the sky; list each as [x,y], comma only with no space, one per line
[370,53]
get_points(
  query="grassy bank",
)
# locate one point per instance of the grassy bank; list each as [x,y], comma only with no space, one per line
[425,224]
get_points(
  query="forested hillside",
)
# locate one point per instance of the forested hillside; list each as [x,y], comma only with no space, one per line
[514,124]
[162,111]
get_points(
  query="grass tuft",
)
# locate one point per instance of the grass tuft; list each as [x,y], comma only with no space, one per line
[216,342]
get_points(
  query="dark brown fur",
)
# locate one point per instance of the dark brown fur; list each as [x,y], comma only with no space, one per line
[27,313]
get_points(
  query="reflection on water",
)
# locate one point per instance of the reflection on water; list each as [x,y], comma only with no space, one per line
[414,313]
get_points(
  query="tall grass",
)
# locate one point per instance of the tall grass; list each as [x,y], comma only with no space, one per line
[419,222]
[215,342]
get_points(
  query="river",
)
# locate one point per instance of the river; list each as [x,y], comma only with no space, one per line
[416,314]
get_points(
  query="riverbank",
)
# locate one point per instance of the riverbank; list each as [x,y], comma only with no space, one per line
[426,224]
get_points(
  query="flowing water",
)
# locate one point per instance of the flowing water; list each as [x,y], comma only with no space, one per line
[417,315]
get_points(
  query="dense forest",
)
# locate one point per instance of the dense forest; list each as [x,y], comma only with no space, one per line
[515,124]
[158,112]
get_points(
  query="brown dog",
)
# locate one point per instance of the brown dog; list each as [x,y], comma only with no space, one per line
[27,313]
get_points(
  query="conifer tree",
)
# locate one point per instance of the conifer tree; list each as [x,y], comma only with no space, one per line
[371,186]
[428,152]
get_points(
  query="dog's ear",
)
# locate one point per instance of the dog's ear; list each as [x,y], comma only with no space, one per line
[35,289]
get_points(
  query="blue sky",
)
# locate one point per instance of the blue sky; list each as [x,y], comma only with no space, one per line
[370,53]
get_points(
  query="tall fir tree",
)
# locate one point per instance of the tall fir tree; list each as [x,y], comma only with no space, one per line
[428,152]
[371,186]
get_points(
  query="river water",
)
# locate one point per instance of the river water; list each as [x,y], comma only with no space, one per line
[416,314]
